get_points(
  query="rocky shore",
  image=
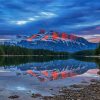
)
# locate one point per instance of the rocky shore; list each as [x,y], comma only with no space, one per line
[78,92]
[82,91]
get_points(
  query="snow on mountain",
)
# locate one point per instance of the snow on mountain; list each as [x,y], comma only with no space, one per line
[57,42]
[54,41]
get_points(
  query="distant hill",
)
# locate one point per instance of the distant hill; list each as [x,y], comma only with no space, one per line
[95,52]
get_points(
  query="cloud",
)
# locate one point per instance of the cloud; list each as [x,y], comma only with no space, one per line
[28,16]
[91,37]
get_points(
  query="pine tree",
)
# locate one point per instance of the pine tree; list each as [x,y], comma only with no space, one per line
[97,51]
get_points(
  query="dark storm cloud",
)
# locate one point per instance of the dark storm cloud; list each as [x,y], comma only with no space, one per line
[28,16]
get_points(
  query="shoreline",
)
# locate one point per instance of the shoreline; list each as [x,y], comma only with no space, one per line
[45,55]
[81,91]
[93,56]
[29,55]
[78,92]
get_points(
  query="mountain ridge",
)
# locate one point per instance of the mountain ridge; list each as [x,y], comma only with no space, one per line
[55,41]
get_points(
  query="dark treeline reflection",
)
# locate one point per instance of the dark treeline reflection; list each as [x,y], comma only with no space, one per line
[89,59]
[16,60]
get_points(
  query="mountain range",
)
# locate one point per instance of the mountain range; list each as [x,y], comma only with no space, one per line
[55,41]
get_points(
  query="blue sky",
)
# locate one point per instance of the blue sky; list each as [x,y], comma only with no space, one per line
[80,17]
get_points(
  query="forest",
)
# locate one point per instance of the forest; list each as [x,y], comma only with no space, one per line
[17,50]
[95,52]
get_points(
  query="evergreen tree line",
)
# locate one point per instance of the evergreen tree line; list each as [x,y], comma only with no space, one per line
[97,51]
[89,52]
[17,50]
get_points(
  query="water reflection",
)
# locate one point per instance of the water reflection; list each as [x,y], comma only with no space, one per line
[50,69]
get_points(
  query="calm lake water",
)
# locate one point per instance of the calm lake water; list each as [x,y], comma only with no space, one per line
[40,74]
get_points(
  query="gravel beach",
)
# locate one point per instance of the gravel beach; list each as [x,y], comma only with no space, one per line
[78,92]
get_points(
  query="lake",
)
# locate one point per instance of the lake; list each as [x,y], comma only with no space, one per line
[42,74]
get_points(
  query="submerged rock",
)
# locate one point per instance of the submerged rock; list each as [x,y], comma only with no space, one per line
[13,97]
[36,95]
[87,92]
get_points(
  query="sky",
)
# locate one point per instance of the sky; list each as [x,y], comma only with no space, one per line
[26,17]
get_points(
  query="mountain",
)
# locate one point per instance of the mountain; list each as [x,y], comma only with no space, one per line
[55,41]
